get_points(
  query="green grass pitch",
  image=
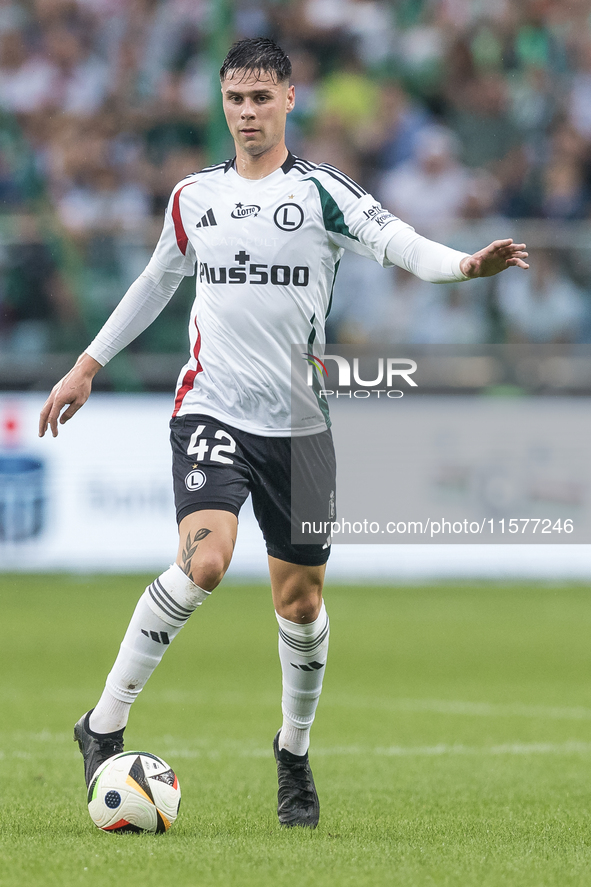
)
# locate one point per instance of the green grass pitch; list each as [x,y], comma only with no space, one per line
[452,744]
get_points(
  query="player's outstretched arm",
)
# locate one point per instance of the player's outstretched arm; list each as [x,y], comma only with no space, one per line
[495,257]
[436,263]
[72,391]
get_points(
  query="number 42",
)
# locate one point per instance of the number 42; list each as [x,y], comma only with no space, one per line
[199,448]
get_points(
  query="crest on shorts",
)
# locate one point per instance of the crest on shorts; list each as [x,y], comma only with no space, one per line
[195,480]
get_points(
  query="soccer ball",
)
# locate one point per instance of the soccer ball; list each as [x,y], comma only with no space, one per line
[134,792]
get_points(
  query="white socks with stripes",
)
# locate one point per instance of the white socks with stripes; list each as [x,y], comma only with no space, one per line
[302,650]
[160,614]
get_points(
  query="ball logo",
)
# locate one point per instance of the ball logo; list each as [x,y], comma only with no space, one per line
[242,212]
[289,216]
[195,480]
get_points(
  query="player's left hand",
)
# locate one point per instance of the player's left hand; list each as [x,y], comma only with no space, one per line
[72,392]
[493,258]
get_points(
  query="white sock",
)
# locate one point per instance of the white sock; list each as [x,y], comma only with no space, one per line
[109,714]
[302,650]
[160,614]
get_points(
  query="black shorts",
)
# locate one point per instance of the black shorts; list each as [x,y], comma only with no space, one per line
[291,480]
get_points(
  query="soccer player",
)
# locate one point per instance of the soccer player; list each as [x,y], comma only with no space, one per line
[265,232]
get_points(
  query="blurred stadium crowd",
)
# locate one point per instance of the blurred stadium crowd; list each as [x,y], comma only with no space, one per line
[466,118]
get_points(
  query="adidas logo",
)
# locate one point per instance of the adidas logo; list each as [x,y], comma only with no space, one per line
[311,666]
[161,638]
[207,220]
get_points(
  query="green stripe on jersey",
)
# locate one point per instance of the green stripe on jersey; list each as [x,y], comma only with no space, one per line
[334,280]
[331,212]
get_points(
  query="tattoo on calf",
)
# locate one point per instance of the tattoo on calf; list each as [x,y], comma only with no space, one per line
[191,547]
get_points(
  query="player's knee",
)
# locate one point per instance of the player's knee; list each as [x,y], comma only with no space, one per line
[299,602]
[208,571]
[303,610]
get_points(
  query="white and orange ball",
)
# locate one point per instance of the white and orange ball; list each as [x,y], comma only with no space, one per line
[134,792]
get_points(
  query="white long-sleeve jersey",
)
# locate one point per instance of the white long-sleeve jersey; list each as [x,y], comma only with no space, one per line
[266,253]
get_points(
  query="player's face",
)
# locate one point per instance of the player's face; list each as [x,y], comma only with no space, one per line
[256,107]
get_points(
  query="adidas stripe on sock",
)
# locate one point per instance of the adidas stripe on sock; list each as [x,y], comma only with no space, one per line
[160,614]
[303,651]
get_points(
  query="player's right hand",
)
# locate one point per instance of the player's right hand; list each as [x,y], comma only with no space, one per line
[72,391]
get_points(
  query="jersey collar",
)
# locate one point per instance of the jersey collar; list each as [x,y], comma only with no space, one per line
[289,162]
[285,166]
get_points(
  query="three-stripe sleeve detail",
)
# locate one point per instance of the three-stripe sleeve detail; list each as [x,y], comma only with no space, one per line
[304,165]
[355,189]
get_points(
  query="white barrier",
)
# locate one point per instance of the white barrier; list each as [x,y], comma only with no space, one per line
[99,498]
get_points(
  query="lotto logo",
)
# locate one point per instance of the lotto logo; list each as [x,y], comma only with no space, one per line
[242,212]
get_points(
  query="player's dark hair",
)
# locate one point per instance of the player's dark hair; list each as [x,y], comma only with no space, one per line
[256,55]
